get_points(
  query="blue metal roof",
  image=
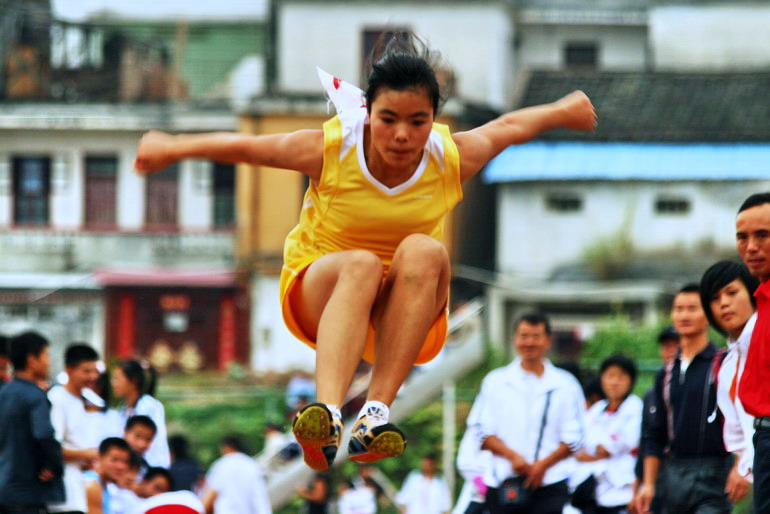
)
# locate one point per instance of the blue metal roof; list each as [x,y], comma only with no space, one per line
[573,160]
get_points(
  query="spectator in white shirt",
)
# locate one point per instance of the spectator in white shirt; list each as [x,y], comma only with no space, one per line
[727,296]
[135,385]
[70,422]
[139,434]
[531,419]
[123,492]
[355,500]
[235,482]
[472,463]
[425,492]
[613,427]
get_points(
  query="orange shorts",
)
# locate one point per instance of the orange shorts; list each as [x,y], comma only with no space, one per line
[433,344]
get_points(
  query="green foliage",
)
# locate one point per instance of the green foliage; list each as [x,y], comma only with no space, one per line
[205,424]
[620,335]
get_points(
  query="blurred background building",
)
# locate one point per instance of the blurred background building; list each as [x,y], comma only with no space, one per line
[182,267]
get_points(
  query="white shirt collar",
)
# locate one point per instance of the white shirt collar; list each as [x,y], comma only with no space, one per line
[515,373]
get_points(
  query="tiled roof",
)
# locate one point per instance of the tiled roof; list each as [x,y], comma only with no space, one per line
[663,107]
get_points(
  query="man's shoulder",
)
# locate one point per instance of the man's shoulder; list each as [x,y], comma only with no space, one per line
[57,394]
[496,375]
[632,404]
[63,400]
[563,379]
[16,390]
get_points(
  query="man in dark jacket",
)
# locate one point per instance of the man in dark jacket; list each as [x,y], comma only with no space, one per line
[685,427]
[30,457]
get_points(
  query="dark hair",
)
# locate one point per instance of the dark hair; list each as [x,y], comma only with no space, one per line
[405,63]
[104,389]
[113,442]
[143,376]
[624,363]
[717,277]
[235,442]
[430,456]
[593,387]
[534,318]
[141,420]
[754,200]
[24,345]
[77,353]
[692,287]
[159,472]
[179,446]
[668,333]
[3,346]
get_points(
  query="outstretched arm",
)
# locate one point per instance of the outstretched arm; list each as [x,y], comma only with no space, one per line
[299,151]
[478,146]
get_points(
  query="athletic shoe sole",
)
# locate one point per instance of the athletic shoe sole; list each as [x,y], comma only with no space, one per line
[312,428]
[389,442]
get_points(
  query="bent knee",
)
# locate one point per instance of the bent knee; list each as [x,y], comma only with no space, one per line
[420,248]
[362,265]
[421,256]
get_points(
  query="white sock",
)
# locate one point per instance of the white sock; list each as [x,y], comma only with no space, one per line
[378,412]
[334,410]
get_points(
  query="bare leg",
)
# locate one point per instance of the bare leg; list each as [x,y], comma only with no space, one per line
[333,305]
[411,298]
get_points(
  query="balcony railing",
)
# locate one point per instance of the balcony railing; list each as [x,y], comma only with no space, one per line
[55,251]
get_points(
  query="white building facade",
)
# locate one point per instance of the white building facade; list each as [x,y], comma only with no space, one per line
[474,38]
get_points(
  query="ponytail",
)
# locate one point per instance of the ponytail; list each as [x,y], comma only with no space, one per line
[141,374]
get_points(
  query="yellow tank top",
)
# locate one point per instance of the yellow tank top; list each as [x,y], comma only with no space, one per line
[350,209]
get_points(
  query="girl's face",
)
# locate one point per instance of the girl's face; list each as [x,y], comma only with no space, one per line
[400,123]
[616,383]
[731,307]
[120,384]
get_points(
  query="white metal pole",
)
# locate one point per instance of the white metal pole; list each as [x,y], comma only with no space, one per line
[448,457]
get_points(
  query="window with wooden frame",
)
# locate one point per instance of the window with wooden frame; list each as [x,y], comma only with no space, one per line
[163,200]
[101,174]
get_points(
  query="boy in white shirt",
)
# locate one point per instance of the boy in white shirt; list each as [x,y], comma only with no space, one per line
[70,421]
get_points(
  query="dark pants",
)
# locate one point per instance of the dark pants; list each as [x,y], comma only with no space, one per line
[549,499]
[23,509]
[762,470]
[697,486]
[476,508]
[611,510]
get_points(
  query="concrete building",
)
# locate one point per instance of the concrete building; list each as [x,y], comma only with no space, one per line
[474,38]
[138,267]
[649,200]
[560,34]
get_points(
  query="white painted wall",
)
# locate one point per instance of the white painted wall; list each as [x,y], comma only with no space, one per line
[542,47]
[273,347]
[131,192]
[476,41]
[195,198]
[711,36]
[67,190]
[6,189]
[532,241]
